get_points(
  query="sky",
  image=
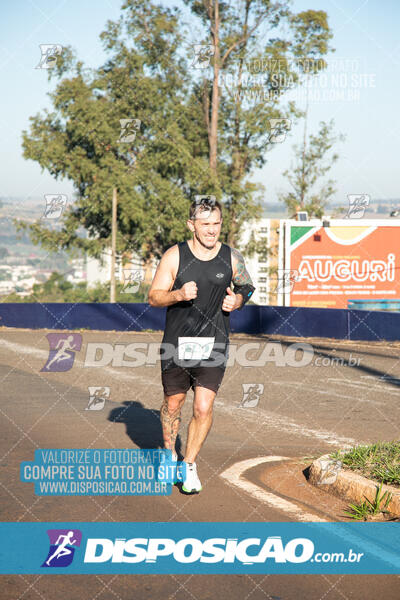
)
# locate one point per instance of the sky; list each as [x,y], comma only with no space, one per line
[360,91]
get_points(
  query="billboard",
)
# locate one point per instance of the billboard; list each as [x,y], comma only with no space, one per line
[326,266]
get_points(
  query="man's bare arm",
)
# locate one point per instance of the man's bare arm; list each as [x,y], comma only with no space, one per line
[162,298]
[160,293]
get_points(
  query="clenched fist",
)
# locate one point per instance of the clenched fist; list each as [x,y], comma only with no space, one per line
[188,291]
[230,301]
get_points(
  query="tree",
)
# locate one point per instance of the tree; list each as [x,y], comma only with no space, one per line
[143,80]
[239,101]
[312,163]
[58,289]
[189,138]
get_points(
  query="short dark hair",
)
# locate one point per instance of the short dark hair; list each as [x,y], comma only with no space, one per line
[204,203]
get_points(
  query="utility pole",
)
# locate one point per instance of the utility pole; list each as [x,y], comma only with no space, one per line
[303,160]
[113,244]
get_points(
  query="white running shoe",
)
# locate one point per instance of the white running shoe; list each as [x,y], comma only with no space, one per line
[191,482]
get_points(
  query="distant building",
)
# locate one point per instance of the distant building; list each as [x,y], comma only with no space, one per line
[98,272]
[6,287]
[77,273]
[260,265]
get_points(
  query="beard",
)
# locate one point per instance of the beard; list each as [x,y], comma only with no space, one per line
[209,244]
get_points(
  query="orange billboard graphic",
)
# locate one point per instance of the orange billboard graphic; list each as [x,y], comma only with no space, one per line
[335,264]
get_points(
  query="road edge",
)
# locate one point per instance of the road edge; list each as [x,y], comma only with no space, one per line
[348,484]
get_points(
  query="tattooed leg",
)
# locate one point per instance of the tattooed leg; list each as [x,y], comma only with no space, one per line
[170,415]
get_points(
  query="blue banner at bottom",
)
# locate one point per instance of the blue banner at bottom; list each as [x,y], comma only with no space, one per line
[209,548]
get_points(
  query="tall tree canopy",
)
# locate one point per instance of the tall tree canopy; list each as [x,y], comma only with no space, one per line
[200,123]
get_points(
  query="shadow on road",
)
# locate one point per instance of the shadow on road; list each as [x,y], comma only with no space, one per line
[143,425]
[322,351]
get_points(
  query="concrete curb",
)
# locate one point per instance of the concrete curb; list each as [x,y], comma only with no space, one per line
[326,473]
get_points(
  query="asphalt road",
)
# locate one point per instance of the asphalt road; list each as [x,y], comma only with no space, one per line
[345,393]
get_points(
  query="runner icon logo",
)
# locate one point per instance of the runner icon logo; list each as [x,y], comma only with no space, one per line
[132,281]
[63,543]
[97,397]
[251,394]
[202,55]
[129,129]
[278,130]
[55,204]
[62,351]
[329,471]
[49,53]
[357,205]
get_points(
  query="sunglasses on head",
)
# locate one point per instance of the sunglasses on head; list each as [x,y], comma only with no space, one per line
[205,201]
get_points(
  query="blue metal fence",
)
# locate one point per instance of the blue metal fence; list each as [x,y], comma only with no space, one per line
[269,320]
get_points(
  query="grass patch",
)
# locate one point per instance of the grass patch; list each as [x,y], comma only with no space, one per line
[364,510]
[380,461]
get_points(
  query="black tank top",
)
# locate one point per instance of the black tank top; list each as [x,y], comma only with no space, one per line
[197,331]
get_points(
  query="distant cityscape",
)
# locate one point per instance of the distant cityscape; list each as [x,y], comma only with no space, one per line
[23,264]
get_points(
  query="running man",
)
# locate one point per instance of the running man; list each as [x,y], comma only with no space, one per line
[193,280]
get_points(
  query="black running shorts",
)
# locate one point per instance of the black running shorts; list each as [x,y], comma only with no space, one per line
[178,379]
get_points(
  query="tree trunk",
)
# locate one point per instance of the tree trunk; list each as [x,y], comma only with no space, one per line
[303,167]
[213,132]
[113,244]
[237,166]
